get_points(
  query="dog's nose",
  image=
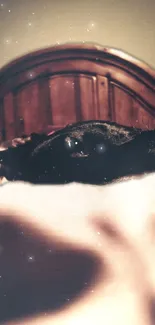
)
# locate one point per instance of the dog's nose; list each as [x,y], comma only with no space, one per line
[80,154]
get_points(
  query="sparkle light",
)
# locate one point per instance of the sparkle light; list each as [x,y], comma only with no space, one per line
[7,41]
[91,26]
[30,74]
[31,258]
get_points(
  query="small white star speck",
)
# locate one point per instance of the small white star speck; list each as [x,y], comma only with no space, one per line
[7,41]
[31,258]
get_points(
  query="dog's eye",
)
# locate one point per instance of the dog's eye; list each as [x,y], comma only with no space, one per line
[71,143]
[100,148]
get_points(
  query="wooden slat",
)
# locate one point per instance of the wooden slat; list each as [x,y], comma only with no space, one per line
[104,112]
[44,108]
[27,109]
[62,95]
[88,97]
[9,117]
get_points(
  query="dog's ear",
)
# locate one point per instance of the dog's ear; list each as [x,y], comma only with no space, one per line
[14,159]
[37,138]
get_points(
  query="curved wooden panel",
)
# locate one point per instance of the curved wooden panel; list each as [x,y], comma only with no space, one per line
[127,110]
[47,89]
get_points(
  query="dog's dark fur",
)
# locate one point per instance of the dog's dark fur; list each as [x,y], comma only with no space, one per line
[94,152]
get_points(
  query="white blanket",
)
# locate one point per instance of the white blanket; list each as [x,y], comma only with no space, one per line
[114,222]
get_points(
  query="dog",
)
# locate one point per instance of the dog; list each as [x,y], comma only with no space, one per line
[92,152]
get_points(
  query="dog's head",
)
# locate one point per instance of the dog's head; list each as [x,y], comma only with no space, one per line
[86,152]
[78,153]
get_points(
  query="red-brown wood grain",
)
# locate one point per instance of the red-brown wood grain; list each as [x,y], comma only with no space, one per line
[47,89]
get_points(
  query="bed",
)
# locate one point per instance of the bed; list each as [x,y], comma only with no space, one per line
[47,89]
[41,248]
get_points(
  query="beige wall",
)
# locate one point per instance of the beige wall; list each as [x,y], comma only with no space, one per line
[33,24]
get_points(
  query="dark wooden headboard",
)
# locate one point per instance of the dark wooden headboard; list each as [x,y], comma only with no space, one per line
[50,88]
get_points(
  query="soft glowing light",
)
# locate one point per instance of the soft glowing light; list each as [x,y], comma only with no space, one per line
[7,41]
[91,26]
[31,74]
[31,258]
